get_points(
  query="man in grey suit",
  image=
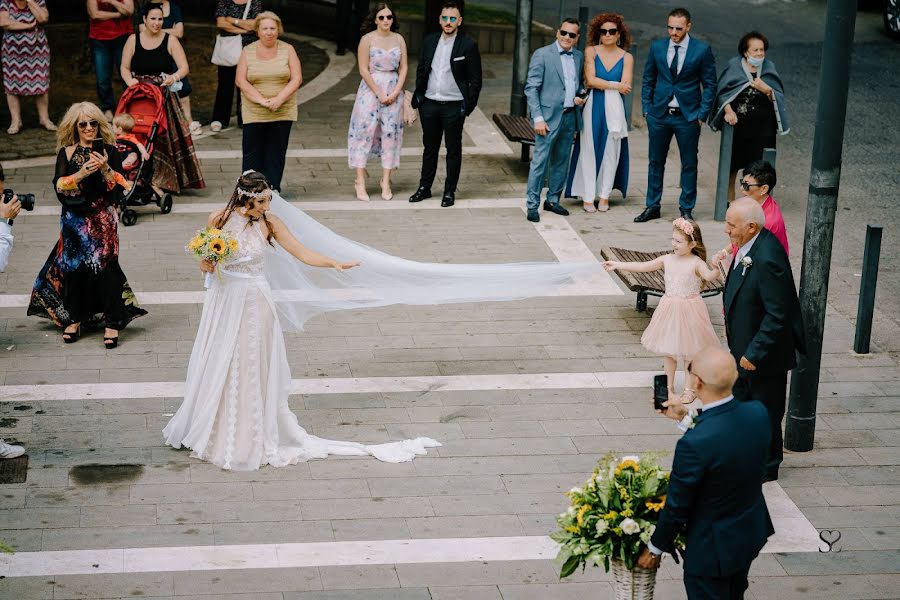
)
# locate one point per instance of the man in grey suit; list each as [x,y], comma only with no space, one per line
[554,94]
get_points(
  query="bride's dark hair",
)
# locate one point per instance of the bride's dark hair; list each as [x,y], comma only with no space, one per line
[249,186]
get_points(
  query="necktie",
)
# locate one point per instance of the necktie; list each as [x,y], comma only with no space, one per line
[673,66]
[737,259]
[566,52]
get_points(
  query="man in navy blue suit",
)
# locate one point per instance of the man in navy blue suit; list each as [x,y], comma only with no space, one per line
[677,94]
[715,491]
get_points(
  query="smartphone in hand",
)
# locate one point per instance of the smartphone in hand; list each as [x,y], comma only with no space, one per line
[660,391]
[97,146]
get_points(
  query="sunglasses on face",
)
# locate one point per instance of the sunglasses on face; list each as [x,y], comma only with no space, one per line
[570,34]
[385,17]
[449,19]
[746,185]
[612,31]
[86,124]
[675,28]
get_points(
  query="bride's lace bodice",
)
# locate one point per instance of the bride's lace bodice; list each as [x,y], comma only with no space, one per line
[250,258]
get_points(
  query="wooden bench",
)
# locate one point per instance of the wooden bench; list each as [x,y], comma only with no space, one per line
[648,284]
[518,130]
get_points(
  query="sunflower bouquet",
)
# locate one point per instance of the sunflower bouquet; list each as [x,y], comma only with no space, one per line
[613,515]
[212,244]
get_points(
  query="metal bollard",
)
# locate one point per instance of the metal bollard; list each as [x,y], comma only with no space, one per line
[725,143]
[867,284]
[769,155]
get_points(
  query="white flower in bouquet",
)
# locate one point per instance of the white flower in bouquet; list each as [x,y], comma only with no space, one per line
[576,490]
[631,457]
[629,526]
[602,526]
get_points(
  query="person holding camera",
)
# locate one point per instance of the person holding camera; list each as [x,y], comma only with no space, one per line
[715,495]
[82,282]
[9,210]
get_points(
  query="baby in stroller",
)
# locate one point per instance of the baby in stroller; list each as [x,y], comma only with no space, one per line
[132,149]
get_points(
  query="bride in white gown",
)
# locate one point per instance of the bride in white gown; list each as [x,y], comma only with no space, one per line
[235,411]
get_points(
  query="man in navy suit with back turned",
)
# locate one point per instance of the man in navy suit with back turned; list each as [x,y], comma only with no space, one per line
[715,491]
[677,94]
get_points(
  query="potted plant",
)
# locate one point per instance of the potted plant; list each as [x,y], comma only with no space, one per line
[611,519]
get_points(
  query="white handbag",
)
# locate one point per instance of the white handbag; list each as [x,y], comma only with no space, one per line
[228,48]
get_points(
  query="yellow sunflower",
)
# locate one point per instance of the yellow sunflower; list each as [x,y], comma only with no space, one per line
[217,246]
[233,245]
[656,506]
[213,232]
[628,464]
[195,243]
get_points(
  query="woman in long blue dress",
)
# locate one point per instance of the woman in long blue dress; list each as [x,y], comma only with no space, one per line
[600,159]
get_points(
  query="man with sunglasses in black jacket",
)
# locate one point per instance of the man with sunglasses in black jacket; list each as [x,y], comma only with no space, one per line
[448,83]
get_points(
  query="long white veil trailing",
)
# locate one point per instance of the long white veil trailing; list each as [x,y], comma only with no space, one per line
[302,292]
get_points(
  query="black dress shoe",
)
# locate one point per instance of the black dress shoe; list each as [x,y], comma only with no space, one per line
[534,216]
[556,208]
[770,476]
[420,194]
[650,213]
[448,199]
[687,214]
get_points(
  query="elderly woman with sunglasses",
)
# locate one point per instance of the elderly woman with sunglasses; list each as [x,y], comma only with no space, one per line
[82,282]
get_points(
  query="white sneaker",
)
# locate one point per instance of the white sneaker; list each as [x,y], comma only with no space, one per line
[216,126]
[196,128]
[10,451]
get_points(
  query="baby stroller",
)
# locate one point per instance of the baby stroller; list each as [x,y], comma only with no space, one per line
[146,103]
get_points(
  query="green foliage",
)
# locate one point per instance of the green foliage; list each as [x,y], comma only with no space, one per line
[613,515]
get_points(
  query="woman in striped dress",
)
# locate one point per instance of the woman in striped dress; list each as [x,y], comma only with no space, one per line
[25,59]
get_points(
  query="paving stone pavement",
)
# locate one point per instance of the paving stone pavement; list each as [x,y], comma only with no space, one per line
[508,453]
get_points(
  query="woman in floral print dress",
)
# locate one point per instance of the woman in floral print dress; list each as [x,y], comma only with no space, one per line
[82,282]
[376,125]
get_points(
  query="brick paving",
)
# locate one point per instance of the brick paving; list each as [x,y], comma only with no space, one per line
[508,454]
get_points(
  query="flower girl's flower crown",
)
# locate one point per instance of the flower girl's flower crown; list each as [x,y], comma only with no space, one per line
[684,226]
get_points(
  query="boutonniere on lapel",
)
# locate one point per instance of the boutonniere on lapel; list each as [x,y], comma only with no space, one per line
[689,421]
[746,262]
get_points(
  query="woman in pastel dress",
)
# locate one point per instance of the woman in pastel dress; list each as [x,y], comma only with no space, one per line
[376,124]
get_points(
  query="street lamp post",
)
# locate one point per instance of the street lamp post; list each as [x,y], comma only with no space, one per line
[824,181]
[521,57]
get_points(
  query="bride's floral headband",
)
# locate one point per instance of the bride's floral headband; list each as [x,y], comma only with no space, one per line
[685,226]
[248,193]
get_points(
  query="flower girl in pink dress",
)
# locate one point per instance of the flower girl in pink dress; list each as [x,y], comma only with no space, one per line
[680,326]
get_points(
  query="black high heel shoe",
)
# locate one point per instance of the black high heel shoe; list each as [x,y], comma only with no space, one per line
[70,337]
[111,342]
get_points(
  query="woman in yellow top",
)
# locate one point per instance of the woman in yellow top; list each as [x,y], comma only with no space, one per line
[268,75]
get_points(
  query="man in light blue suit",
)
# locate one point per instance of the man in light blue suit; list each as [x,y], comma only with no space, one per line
[554,92]
[677,95]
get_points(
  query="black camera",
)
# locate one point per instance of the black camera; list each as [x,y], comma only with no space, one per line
[27,200]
